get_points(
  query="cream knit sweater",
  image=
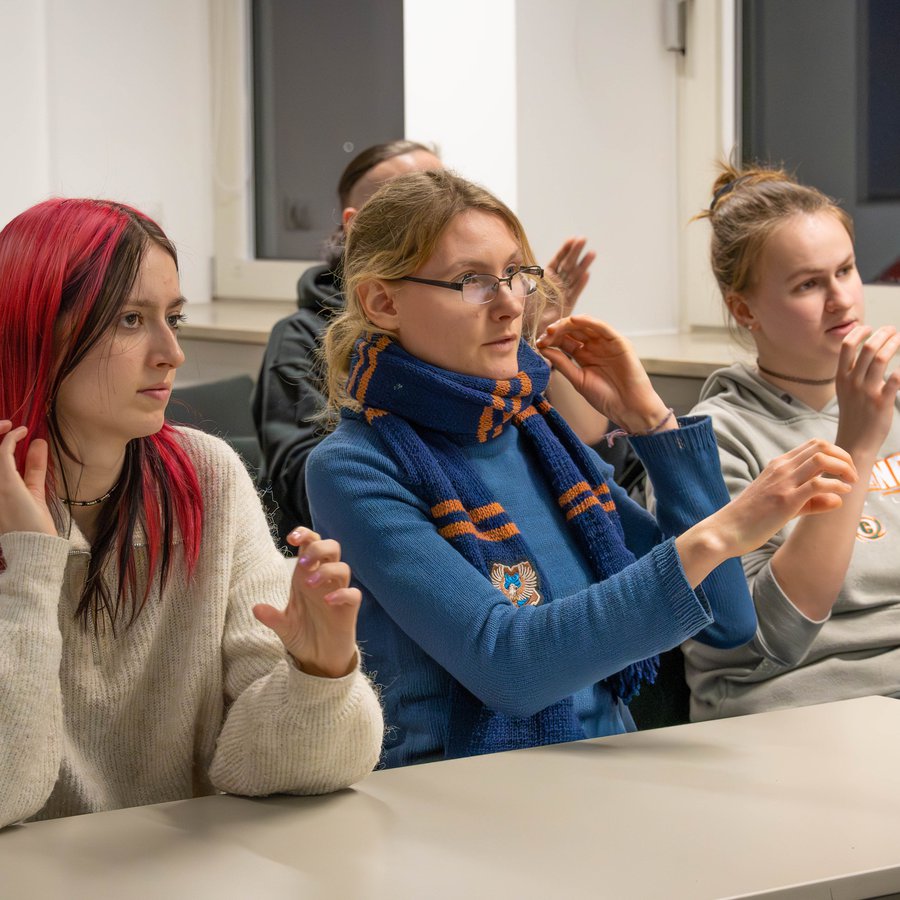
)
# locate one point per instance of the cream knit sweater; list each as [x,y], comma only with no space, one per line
[196,696]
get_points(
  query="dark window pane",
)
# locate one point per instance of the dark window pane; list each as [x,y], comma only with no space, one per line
[820,94]
[328,82]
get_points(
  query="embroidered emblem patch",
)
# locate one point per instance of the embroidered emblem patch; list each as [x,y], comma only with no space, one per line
[517,583]
[870,529]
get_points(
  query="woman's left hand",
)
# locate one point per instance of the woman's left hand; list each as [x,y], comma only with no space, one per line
[318,626]
[604,368]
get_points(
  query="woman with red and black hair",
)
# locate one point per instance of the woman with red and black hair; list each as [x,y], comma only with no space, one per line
[144,653]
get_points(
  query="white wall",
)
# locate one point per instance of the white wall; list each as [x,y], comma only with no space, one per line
[566,110]
[111,98]
[596,150]
[460,87]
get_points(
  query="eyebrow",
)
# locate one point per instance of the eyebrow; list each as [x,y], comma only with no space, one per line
[141,302]
[469,263]
[814,270]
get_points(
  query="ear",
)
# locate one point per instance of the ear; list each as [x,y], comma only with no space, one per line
[377,300]
[741,311]
[347,214]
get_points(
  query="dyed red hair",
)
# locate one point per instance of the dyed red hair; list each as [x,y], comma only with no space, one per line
[66,269]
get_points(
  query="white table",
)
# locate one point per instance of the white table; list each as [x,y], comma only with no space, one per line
[801,803]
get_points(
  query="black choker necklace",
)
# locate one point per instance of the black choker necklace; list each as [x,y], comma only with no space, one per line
[816,381]
[96,502]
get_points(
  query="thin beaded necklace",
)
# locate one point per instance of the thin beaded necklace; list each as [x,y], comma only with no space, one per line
[795,378]
[69,502]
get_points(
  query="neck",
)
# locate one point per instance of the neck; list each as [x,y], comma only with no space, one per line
[93,476]
[815,396]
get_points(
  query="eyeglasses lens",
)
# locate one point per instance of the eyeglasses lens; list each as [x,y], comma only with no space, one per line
[481,289]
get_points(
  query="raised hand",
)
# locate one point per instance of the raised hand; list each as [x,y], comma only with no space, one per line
[866,398]
[570,270]
[318,626]
[23,500]
[810,479]
[605,370]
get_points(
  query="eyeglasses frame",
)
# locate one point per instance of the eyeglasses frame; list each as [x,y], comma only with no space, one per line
[536,271]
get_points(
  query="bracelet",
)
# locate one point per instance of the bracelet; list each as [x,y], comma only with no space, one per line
[621,432]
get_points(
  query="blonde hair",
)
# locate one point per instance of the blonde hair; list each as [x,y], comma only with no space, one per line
[748,205]
[393,235]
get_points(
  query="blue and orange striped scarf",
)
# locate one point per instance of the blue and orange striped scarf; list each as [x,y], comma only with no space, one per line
[423,414]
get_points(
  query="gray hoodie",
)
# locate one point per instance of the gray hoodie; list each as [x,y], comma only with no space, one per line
[793,660]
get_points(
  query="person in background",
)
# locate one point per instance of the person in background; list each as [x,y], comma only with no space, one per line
[514,594]
[288,398]
[826,588]
[146,649]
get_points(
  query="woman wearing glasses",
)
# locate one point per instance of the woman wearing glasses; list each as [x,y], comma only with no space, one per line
[515,595]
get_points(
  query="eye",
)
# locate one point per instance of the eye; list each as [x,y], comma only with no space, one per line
[130,320]
[176,320]
[807,285]
[846,270]
[511,269]
[464,278]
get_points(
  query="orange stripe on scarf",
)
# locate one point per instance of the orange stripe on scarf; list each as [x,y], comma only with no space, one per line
[580,487]
[579,508]
[494,534]
[373,352]
[445,507]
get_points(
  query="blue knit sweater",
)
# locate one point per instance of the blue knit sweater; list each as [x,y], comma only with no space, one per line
[428,612]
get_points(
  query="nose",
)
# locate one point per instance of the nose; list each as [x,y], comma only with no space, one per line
[166,352]
[839,295]
[506,305]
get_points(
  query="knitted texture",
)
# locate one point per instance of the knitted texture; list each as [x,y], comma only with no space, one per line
[196,696]
[423,414]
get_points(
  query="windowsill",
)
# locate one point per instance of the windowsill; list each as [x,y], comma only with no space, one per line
[693,354]
[235,321]
[696,353]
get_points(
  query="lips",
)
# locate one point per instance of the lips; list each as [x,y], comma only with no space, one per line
[157,391]
[843,328]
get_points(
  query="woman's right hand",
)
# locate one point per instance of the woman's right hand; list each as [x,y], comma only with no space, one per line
[866,398]
[23,501]
[804,481]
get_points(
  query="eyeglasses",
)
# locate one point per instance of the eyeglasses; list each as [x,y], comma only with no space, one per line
[481,289]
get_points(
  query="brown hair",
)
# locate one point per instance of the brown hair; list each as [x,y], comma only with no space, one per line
[748,206]
[395,234]
[355,171]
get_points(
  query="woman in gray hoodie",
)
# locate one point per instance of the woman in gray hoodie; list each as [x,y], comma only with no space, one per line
[826,588]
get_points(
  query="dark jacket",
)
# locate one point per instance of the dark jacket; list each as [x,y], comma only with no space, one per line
[289,395]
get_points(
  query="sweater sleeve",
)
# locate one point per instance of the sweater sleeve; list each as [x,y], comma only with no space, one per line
[31,723]
[285,731]
[285,402]
[683,467]
[451,610]
[784,634]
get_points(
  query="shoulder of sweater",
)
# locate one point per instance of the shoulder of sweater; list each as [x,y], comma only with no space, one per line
[351,450]
[216,463]
[204,448]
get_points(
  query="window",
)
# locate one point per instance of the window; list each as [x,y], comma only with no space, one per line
[328,82]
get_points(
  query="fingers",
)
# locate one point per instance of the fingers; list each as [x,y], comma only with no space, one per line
[36,467]
[330,577]
[11,436]
[865,354]
[817,457]
[571,269]
[582,328]
[562,363]
[301,536]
